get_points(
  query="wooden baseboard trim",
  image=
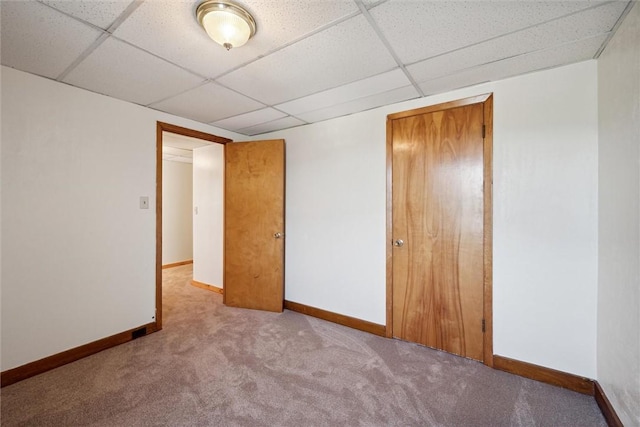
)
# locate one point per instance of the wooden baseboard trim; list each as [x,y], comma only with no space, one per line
[606,408]
[561,379]
[207,287]
[177,264]
[29,370]
[545,375]
[340,319]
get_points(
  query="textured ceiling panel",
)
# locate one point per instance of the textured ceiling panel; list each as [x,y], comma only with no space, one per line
[182,142]
[40,40]
[179,148]
[181,159]
[284,123]
[581,25]
[421,29]
[372,3]
[342,54]
[155,27]
[176,151]
[562,55]
[250,119]
[310,59]
[100,13]
[367,103]
[208,103]
[121,71]
[360,89]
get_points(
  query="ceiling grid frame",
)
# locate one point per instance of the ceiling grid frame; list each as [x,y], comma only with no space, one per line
[334,94]
[384,40]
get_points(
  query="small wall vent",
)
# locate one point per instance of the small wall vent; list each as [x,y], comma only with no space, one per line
[138,333]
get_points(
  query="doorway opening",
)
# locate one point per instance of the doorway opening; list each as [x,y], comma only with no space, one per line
[161,129]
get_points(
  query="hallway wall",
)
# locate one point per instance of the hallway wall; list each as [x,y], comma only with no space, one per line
[177,212]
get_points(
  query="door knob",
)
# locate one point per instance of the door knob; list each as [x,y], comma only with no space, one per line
[398,243]
[277,235]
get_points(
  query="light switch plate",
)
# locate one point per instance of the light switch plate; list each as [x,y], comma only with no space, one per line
[144,202]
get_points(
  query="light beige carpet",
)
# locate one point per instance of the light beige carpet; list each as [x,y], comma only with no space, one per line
[217,366]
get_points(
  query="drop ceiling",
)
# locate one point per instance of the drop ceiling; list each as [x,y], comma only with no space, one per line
[179,148]
[311,60]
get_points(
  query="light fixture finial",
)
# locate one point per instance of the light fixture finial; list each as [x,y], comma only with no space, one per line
[226,23]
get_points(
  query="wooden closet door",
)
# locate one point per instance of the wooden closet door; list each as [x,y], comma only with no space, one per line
[438,229]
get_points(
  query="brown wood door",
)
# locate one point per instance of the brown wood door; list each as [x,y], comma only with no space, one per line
[254,225]
[438,229]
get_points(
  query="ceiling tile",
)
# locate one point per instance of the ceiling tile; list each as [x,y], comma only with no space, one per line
[342,54]
[183,142]
[100,13]
[40,40]
[155,25]
[122,71]
[362,104]
[249,119]
[372,3]
[207,103]
[171,158]
[548,58]
[179,148]
[349,92]
[183,159]
[176,151]
[311,60]
[284,123]
[421,29]
[581,25]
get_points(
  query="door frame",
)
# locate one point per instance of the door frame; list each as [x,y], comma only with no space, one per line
[487,102]
[179,130]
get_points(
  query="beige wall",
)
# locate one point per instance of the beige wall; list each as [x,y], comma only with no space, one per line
[177,217]
[619,220]
[545,214]
[78,254]
[208,222]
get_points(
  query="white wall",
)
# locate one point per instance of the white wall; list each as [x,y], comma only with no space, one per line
[619,220]
[1,261]
[545,218]
[335,215]
[208,222]
[545,214]
[177,217]
[78,254]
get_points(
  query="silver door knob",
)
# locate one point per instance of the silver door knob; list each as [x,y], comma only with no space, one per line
[277,235]
[398,243]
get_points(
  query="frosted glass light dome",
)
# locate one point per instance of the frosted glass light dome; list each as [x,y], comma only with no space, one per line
[226,23]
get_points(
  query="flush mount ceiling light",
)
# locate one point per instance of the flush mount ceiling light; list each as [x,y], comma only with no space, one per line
[226,23]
